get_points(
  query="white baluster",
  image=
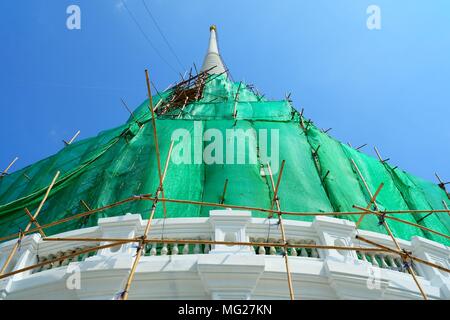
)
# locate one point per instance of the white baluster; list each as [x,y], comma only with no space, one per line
[374,261]
[186,248]
[207,248]
[164,250]
[391,261]
[363,256]
[399,263]
[65,262]
[51,265]
[314,253]
[197,248]
[272,251]
[293,252]
[175,249]
[383,261]
[303,252]
[153,250]
[262,250]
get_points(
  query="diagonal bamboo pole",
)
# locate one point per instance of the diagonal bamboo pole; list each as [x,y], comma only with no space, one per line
[236,100]
[73,138]
[36,223]
[276,201]
[403,221]
[21,235]
[372,197]
[5,172]
[410,270]
[372,201]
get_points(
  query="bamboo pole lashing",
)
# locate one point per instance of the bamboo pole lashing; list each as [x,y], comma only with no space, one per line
[366,186]
[35,222]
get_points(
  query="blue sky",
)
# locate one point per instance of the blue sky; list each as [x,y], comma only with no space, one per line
[388,88]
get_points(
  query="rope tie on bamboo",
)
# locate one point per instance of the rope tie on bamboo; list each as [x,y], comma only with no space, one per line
[406,260]
[382,219]
[19,240]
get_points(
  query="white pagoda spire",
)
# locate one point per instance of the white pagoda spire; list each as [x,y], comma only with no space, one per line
[212,58]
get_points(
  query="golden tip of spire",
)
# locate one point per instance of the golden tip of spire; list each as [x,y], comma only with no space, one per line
[213,27]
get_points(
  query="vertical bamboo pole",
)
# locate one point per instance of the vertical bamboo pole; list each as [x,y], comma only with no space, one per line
[146,231]
[155,137]
[236,100]
[21,235]
[222,199]
[280,219]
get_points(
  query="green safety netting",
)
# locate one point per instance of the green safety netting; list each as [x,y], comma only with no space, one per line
[119,163]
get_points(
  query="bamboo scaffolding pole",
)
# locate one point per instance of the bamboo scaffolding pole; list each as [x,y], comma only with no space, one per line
[73,138]
[131,112]
[35,222]
[155,137]
[124,295]
[276,201]
[445,206]
[222,199]
[74,254]
[379,156]
[236,100]
[21,235]
[402,254]
[5,172]
[403,221]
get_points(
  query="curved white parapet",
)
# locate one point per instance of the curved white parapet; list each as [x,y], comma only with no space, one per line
[221,271]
